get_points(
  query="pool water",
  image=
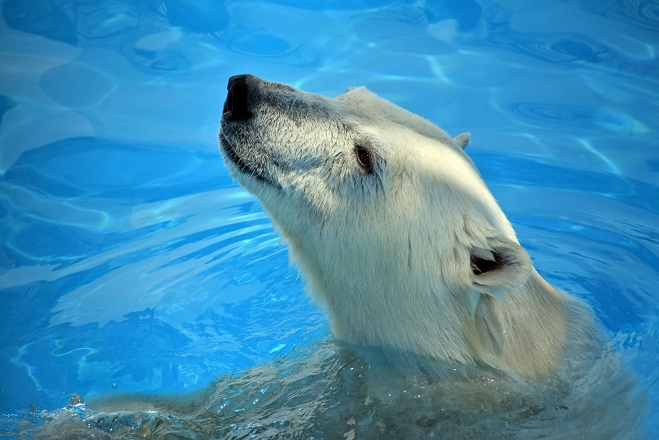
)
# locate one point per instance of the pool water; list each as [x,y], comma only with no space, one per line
[131,262]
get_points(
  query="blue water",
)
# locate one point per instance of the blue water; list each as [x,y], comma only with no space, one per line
[131,262]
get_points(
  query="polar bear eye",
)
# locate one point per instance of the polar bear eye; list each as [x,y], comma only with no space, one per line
[364,158]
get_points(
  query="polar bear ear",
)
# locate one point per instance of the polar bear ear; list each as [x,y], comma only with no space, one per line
[462,140]
[499,267]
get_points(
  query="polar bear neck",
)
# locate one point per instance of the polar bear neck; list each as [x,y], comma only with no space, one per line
[428,315]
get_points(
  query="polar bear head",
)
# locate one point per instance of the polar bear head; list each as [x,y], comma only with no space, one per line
[392,226]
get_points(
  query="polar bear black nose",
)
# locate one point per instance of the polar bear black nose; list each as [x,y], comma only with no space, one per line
[236,105]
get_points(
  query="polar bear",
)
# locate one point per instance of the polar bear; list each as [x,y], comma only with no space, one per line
[393,228]
[399,238]
[442,326]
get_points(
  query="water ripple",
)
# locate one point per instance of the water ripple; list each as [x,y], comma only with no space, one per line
[594,118]
[644,13]
[568,49]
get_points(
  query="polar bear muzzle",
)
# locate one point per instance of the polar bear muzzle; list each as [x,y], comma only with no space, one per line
[270,129]
[242,93]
